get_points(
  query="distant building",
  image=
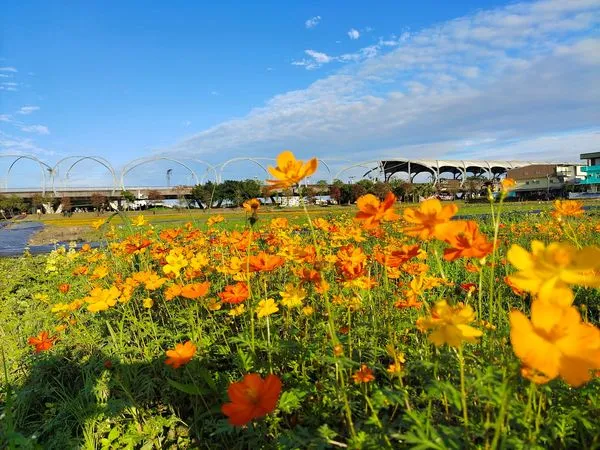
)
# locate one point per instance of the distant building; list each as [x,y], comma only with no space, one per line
[544,181]
[592,171]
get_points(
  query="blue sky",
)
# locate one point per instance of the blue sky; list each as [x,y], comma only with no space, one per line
[343,81]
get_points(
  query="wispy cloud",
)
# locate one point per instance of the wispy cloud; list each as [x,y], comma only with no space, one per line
[316,59]
[15,144]
[353,34]
[8,69]
[8,86]
[186,123]
[312,22]
[477,85]
[37,129]
[25,110]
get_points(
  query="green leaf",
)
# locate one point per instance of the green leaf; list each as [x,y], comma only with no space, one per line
[291,400]
[187,388]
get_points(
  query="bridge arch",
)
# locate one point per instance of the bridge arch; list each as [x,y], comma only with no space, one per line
[138,162]
[43,167]
[99,159]
[360,164]
[243,158]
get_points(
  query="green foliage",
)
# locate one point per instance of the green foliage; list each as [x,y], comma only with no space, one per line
[105,385]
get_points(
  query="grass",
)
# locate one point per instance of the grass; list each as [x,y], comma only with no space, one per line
[104,383]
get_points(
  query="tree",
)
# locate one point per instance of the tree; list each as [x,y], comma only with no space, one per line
[204,194]
[181,198]
[153,197]
[357,190]
[322,186]
[12,205]
[38,200]
[335,192]
[400,188]
[381,190]
[98,201]
[66,205]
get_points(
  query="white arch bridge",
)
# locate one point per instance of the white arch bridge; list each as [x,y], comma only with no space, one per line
[50,174]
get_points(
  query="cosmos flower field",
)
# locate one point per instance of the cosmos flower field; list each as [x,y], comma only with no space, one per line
[383,327]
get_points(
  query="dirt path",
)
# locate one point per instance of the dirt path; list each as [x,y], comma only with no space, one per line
[50,234]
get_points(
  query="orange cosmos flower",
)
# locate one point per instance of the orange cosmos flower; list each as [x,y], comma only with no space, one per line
[263,262]
[507,184]
[64,287]
[290,171]
[556,342]
[428,218]
[80,270]
[137,247]
[364,375]
[235,293]
[251,398]
[466,241]
[41,342]
[181,355]
[395,257]
[567,208]
[251,205]
[172,291]
[372,212]
[195,290]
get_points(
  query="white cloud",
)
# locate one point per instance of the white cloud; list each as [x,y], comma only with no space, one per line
[37,129]
[14,144]
[317,59]
[5,118]
[8,69]
[25,110]
[8,86]
[353,34]
[312,22]
[475,85]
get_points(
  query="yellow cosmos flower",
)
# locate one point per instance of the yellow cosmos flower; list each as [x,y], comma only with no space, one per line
[556,343]
[102,299]
[175,262]
[266,308]
[99,273]
[214,219]
[139,221]
[148,303]
[292,296]
[214,305]
[238,310]
[41,297]
[290,171]
[308,310]
[553,267]
[199,261]
[450,324]
[96,224]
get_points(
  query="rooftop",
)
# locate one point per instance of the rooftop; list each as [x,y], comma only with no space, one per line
[590,155]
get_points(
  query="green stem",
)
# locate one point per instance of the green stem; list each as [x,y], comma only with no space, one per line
[463,393]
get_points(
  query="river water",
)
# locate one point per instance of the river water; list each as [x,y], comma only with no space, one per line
[14,238]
